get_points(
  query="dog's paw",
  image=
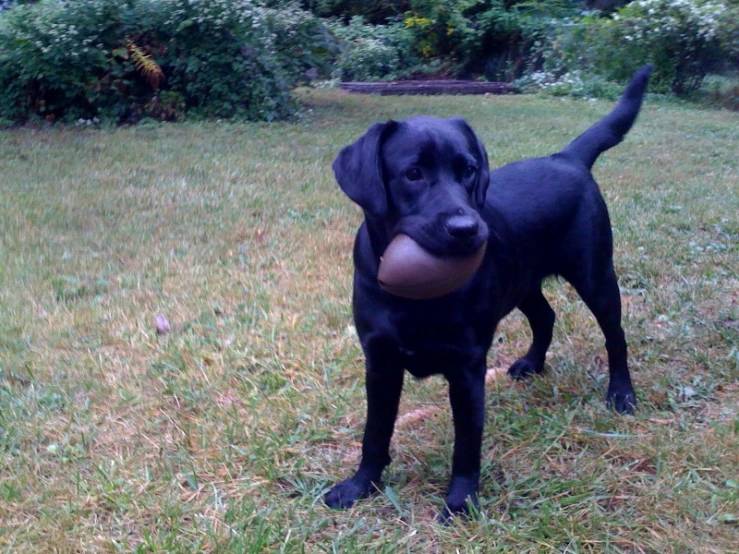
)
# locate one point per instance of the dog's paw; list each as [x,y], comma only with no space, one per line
[345,494]
[470,508]
[461,500]
[624,402]
[523,369]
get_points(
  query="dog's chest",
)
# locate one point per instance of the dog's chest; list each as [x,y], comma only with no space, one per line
[427,362]
[435,343]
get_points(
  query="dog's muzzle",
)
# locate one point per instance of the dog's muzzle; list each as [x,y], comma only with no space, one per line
[447,235]
[463,226]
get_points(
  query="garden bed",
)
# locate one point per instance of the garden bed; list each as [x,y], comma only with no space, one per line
[430,87]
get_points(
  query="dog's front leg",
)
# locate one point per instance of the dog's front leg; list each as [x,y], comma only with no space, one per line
[467,397]
[383,396]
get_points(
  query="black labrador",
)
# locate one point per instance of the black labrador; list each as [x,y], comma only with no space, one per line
[429,178]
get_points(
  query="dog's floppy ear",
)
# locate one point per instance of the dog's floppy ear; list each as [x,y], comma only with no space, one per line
[483,173]
[358,169]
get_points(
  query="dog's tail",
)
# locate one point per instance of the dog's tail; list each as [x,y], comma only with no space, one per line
[610,130]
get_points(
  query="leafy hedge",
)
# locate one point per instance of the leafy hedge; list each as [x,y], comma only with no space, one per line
[549,45]
[125,60]
[465,38]
[377,52]
[130,59]
[375,12]
[685,40]
[680,37]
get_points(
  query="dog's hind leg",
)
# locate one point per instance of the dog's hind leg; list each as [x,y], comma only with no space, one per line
[541,319]
[599,291]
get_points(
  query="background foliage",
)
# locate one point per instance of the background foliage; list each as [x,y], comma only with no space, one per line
[464,38]
[682,38]
[88,58]
[124,61]
[378,52]
[561,47]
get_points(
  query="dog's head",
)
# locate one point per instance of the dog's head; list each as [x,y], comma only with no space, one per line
[424,177]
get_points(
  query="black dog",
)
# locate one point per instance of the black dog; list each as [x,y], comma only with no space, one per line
[428,178]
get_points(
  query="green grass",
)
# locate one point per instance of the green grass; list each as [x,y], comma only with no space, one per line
[223,434]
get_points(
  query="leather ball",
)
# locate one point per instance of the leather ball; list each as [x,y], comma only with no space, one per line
[409,271]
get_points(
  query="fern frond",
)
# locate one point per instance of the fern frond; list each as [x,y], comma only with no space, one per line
[147,65]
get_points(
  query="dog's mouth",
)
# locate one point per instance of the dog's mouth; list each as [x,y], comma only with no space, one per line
[456,235]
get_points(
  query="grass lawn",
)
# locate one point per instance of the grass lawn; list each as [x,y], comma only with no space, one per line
[223,434]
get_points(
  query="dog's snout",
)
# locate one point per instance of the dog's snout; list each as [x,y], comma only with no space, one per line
[462,226]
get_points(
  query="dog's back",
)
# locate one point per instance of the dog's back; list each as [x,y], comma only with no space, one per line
[552,205]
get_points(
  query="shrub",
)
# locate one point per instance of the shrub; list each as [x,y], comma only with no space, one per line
[219,55]
[728,33]
[571,83]
[377,12]
[376,52]
[483,37]
[301,42]
[730,99]
[159,58]
[680,37]
[489,38]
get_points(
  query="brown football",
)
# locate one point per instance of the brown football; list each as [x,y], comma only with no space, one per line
[407,270]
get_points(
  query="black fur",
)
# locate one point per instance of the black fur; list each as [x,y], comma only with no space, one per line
[429,178]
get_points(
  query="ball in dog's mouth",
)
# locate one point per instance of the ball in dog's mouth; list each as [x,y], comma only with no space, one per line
[410,271]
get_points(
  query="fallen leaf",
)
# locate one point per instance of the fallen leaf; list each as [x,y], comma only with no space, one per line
[162,325]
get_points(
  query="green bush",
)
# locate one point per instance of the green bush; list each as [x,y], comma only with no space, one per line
[376,52]
[728,33]
[377,12]
[477,38]
[489,38]
[467,38]
[571,83]
[679,37]
[126,60]
[301,42]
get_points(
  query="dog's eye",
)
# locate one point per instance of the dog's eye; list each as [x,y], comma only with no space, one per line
[413,174]
[469,171]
